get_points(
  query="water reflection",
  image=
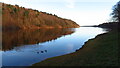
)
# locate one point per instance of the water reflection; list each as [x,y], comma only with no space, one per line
[11,39]
[24,48]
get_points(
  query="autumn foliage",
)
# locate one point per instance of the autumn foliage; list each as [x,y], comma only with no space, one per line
[15,17]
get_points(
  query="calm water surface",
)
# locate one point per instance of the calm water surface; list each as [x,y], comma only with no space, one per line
[24,48]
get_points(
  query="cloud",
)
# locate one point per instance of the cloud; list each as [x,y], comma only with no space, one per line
[70,3]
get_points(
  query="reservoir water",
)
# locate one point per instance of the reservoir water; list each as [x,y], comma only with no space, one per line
[26,47]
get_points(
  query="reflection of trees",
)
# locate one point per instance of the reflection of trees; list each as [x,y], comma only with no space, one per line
[12,39]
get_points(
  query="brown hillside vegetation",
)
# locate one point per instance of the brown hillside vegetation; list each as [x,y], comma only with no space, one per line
[15,17]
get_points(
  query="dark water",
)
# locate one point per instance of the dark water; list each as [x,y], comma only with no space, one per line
[24,48]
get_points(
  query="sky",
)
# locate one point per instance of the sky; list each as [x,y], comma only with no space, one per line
[83,12]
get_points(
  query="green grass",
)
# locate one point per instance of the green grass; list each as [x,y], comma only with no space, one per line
[100,51]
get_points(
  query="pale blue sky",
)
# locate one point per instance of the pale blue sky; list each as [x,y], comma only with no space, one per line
[83,12]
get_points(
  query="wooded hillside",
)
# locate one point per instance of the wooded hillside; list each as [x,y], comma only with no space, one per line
[15,17]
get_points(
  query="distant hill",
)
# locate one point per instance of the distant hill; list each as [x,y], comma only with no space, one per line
[15,17]
[111,25]
[108,25]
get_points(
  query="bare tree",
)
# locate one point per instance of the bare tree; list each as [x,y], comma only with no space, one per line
[116,12]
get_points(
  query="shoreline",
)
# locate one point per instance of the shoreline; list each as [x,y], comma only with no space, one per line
[90,39]
[88,55]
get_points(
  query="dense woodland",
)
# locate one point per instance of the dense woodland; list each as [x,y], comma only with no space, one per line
[15,17]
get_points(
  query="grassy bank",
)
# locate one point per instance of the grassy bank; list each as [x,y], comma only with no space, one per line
[102,50]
